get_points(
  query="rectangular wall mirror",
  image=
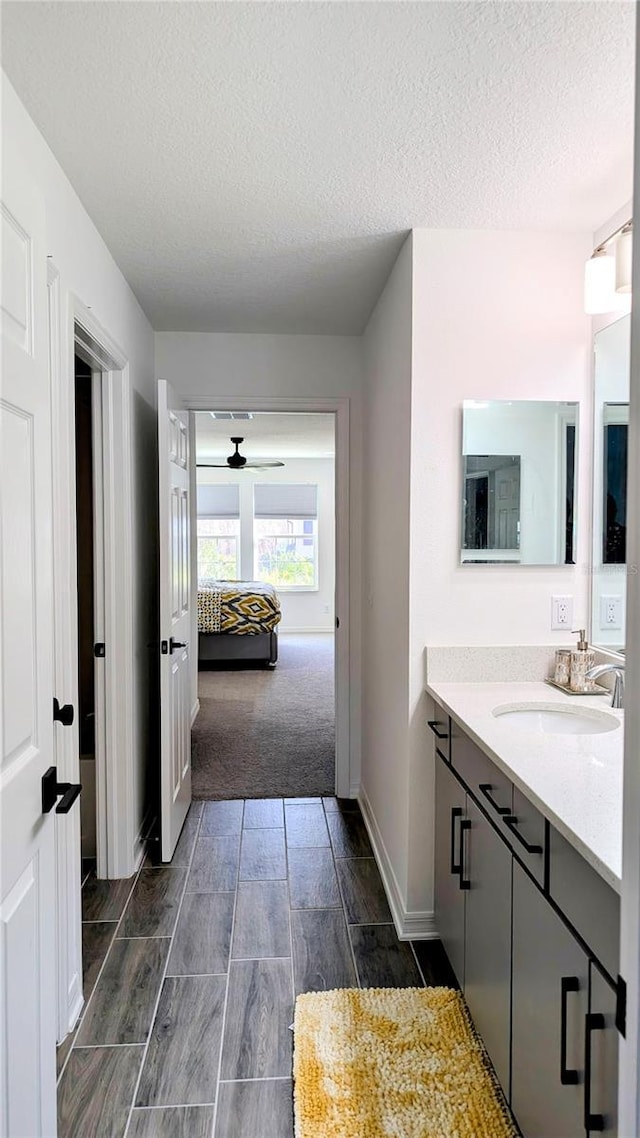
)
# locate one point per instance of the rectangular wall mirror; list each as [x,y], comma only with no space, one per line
[519,482]
[611,426]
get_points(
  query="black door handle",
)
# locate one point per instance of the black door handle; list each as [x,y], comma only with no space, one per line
[456,812]
[511,821]
[63,714]
[52,790]
[568,1077]
[486,788]
[464,826]
[433,724]
[173,644]
[594,1021]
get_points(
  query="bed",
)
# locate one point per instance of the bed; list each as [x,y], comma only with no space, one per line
[237,620]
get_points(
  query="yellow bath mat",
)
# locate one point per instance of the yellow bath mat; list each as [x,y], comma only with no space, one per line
[392,1063]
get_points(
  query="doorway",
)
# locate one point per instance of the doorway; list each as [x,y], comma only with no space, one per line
[92,557]
[265,566]
[88,514]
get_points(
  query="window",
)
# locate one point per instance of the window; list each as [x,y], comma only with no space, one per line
[218,543]
[218,532]
[285,535]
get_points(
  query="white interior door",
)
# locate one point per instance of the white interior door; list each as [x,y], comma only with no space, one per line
[175,615]
[27,881]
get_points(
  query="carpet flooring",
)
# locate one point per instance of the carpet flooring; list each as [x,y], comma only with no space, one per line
[265,733]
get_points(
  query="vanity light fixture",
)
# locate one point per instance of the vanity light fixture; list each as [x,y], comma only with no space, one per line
[624,255]
[607,278]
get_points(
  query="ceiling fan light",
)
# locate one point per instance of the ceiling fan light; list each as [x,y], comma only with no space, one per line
[624,261]
[600,283]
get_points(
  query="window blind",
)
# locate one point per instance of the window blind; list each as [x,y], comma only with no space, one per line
[284,500]
[220,501]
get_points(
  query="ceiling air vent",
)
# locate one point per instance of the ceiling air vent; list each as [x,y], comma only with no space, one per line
[232,415]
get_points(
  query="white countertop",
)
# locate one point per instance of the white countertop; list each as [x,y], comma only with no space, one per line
[574,780]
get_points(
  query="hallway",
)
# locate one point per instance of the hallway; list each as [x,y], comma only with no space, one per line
[191,970]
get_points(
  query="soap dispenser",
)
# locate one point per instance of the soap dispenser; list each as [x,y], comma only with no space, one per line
[582,659]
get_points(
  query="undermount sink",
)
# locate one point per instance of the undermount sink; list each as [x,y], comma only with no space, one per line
[556,719]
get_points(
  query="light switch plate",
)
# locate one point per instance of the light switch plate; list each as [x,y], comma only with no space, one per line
[561,613]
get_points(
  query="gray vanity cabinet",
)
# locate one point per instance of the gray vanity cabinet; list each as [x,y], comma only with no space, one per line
[550,989]
[487,977]
[449,895]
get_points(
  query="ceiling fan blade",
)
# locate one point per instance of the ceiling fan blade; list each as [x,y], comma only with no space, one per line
[247,466]
[237,461]
[261,465]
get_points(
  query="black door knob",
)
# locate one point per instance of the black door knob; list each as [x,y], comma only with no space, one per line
[63,714]
[173,644]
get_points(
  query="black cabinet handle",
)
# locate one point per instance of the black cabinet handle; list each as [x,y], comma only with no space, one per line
[64,714]
[464,826]
[434,724]
[486,788]
[173,644]
[568,1077]
[511,821]
[594,1021]
[456,812]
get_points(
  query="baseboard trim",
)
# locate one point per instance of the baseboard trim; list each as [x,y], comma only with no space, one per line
[302,631]
[140,845]
[76,1003]
[195,711]
[410,924]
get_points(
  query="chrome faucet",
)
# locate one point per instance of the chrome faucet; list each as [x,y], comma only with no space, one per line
[617,699]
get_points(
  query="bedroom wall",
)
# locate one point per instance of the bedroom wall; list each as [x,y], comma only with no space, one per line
[226,365]
[88,272]
[312,611]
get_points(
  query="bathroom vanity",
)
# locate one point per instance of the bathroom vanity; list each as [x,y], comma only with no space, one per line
[527,878]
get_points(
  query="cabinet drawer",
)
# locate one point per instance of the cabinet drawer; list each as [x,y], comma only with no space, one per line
[440,724]
[525,832]
[488,784]
[591,905]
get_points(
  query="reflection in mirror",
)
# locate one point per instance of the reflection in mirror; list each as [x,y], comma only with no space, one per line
[518,482]
[611,426]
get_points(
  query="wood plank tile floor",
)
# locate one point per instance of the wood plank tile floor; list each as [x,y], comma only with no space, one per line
[191,970]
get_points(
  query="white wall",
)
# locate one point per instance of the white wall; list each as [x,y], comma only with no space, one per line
[387,426]
[226,366]
[495,316]
[88,272]
[465,315]
[308,611]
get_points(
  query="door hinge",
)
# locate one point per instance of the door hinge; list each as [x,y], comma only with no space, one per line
[100,649]
[621,1006]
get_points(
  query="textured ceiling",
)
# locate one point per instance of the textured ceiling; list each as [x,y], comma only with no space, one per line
[267,436]
[255,166]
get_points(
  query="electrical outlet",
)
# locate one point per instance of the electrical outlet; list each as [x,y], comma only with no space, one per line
[326,609]
[611,612]
[561,612]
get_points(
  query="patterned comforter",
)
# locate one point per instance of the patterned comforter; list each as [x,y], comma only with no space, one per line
[239,607]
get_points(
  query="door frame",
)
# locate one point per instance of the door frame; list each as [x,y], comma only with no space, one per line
[347,773]
[74,330]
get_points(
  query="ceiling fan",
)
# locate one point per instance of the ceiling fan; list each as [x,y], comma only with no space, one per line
[237,461]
